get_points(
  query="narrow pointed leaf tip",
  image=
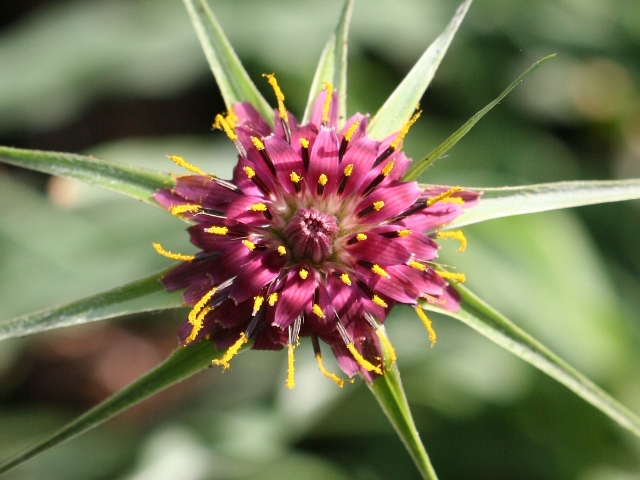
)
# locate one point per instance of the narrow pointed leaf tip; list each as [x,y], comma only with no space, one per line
[420,166]
[399,107]
[497,328]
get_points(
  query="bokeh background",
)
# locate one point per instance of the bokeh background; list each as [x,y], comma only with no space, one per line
[126,80]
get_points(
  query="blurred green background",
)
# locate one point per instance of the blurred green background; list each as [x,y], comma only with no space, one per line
[127,81]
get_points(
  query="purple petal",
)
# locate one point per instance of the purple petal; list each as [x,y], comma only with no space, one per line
[318,107]
[296,295]
[397,198]
[255,274]
[324,160]
[249,117]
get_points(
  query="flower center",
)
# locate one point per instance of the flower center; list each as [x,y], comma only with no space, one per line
[310,234]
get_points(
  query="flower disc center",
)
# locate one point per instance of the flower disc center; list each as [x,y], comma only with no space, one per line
[310,234]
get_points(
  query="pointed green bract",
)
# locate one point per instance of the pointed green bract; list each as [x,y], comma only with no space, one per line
[144,295]
[183,363]
[332,67]
[510,201]
[420,166]
[389,393]
[135,182]
[399,107]
[496,327]
[233,80]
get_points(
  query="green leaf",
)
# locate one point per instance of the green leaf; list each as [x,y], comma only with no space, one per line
[496,327]
[399,107]
[183,363]
[389,393]
[144,295]
[332,67]
[510,201]
[233,80]
[420,166]
[139,183]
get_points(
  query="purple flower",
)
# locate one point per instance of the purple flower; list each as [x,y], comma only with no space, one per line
[316,235]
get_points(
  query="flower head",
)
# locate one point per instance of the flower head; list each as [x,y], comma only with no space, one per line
[316,235]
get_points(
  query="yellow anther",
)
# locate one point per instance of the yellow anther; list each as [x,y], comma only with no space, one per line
[257,303]
[387,168]
[257,143]
[345,279]
[404,233]
[187,166]
[348,170]
[279,95]
[378,270]
[231,118]
[318,310]
[231,352]
[258,207]
[390,350]
[197,325]
[282,250]
[405,130]
[295,178]
[303,273]
[290,383]
[328,374]
[197,308]
[222,124]
[327,103]
[361,237]
[378,301]
[456,200]
[377,206]
[456,277]
[427,324]
[444,195]
[249,244]
[322,180]
[304,143]
[273,298]
[457,235]
[418,266]
[361,361]
[249,171]
[178,210]
[217,230]
[173,256]
[352,129]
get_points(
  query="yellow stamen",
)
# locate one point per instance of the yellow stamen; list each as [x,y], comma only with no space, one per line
[377,206]
[282,250]
[345,279]
[387,168]
[456,200]
[197,308]
[217,230]
[405,130]
[273,298]
[352,129]
[348,170]
[377,269]
[257,143]
[290,369]
[322,180]
[318,311]
[295,178]
[249,244]
[361,361]
[456,277]
[303,273]
[328,374]
[258,207]
[231,352]
[187,166]
[197,325]
[404,233]
[427,324]
[257,303]
[231,118]
[390,350]
[173,256]
[444,195]
[222,124]
[178,210]
[361,237]
[304,143]
[457,235]
[327,103]
[418,266]
[279,95]
[378,301]
[249,171]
